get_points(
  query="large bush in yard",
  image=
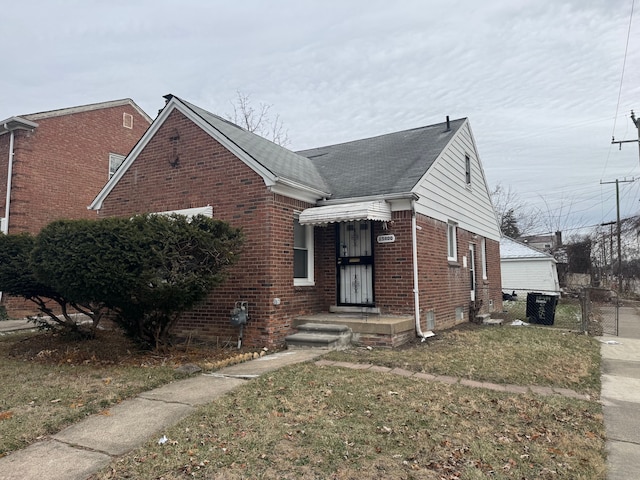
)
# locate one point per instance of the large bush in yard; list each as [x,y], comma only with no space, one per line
[183,259]
[147,269]
[18,277]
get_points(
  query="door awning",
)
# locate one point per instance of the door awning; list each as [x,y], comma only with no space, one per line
[346,212]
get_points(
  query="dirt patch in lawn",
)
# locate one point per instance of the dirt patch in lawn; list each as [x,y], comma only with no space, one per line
[111,347]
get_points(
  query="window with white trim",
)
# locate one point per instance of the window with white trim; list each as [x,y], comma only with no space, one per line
[483,246]
[467,169]
[452,242]
[302,253]
[115,161]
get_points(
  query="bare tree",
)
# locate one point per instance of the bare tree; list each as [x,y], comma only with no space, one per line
[562,217]
[258,119]
[514,215]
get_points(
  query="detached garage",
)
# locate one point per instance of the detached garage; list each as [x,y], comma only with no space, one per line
[527,269]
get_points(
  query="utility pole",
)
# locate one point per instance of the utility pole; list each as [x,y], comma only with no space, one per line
[617,182]
[636,122]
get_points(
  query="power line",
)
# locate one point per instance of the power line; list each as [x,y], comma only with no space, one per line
[624,62]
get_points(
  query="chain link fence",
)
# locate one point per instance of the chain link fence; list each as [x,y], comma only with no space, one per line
[592,310]
[543,308]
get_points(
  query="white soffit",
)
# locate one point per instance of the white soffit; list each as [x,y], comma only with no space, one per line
[346,212]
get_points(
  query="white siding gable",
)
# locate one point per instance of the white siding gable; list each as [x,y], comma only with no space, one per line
[445,195]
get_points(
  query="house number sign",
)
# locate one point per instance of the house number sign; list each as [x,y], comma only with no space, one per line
[386,238]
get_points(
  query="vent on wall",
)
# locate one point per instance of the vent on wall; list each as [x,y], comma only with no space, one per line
[127,120]
[459,314]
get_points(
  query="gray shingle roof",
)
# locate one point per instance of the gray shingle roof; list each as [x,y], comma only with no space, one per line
[510,248]
[278,160]
[386,164]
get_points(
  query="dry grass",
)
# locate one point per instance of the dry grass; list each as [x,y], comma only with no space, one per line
[310,422]
[509,355]
[50,381]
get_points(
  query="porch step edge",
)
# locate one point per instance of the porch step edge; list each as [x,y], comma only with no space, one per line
[324,328]
[318,340]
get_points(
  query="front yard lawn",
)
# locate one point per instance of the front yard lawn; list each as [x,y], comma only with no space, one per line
[313,422]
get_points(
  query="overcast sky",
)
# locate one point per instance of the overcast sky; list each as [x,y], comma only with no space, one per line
[539,79]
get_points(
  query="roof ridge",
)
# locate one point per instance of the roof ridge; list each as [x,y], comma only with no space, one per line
[461,119]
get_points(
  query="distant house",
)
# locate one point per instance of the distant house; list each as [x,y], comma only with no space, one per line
[526,269]
[397,231]
[52,164]
[545,243]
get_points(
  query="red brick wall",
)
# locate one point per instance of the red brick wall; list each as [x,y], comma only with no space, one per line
[60,167]
[394,266]
[208,174]
[445,286]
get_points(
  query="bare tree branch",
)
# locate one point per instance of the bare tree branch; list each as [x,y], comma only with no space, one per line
[510,208]
[258,119]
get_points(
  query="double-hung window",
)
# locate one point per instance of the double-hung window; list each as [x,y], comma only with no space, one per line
[302,253]
[115,161]
[452,242]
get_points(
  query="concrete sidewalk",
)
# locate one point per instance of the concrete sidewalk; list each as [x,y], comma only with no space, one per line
[7,326]
[620,396]
[84,448]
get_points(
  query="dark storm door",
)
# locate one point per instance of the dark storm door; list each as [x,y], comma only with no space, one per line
[355,263]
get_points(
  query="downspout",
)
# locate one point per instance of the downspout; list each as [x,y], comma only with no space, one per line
[5,227]
[416,290]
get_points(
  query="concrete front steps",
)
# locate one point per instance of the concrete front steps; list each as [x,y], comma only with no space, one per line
[320,335]
[485,319]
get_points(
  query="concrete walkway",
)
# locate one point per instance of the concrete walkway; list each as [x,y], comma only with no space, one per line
[84,448]
[620,396]
[565,392]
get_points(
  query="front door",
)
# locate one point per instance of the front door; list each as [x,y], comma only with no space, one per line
[354,253]
[472,271]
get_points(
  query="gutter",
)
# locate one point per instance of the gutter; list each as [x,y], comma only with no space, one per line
[416,290]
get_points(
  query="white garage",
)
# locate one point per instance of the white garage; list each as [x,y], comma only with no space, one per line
[525,269]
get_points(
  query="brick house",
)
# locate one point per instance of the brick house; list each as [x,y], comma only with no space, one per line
[52,164]
[396,230]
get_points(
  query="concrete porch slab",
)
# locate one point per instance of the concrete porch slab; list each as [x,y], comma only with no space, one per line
[362,323]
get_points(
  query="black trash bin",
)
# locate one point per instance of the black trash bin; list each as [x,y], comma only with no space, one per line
[541,308]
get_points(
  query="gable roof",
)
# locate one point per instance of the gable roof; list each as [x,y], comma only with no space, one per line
[382,165]
[86,108]
[511,249]
[283,170]
[278,160]
[27,122]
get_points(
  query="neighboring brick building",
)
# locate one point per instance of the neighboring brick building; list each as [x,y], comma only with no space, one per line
[59,160]
[400,224]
